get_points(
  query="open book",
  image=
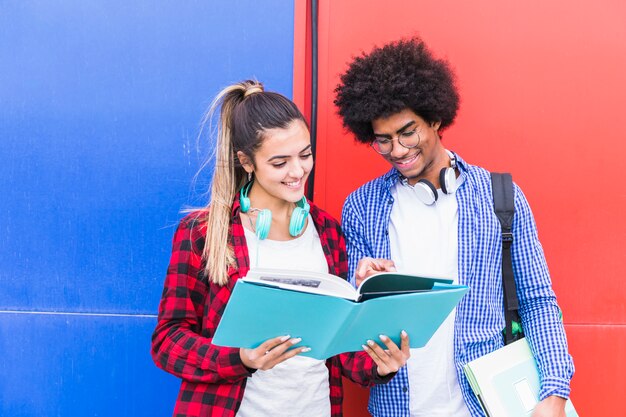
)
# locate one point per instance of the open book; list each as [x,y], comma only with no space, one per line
[378,285]
[331,316]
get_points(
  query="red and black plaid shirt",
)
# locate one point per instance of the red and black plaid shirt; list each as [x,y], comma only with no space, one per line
[213,377]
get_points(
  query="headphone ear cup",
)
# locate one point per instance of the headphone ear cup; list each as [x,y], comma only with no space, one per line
[426,192]
[263,224]
[298,217]
[447,180]
[244,201]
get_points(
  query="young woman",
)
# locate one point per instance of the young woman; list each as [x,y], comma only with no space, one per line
[257,216]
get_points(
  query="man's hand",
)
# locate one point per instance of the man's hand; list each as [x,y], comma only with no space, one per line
[552,406]
[371,266]
[391,359]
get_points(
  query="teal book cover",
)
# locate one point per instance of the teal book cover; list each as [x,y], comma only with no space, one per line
[330,325]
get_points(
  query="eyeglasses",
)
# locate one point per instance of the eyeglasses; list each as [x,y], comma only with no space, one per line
[384,144]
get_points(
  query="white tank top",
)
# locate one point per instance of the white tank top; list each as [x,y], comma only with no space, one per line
[298,386]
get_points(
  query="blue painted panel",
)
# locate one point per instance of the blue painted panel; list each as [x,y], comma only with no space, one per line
[99,108]
[81,365]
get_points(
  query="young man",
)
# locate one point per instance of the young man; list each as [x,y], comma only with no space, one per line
[432,214]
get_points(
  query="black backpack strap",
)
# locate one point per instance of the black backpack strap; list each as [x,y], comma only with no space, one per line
[504,207]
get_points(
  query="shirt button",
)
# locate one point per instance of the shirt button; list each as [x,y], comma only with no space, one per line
[390,201]
[405,389]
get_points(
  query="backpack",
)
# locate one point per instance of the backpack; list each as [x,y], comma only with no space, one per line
[504,208]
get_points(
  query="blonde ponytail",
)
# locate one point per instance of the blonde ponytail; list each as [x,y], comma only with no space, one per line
[247,111]
[227,180]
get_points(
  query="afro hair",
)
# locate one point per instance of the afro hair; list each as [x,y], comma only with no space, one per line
[397,76]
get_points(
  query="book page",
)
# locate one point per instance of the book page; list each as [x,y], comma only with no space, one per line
[386,283]
[303,281]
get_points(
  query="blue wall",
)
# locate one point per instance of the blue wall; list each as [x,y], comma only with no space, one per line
[99,109]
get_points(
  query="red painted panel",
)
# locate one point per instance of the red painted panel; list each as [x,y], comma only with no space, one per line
[542,95]
[355,400]
[598,386]
[543,92]
[302,57]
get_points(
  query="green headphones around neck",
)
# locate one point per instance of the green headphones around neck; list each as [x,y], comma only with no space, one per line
[264,218]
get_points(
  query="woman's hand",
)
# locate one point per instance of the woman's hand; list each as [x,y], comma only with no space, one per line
[391,359]
[371,266]
[271,352]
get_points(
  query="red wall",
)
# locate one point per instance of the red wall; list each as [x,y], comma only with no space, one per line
[542,96]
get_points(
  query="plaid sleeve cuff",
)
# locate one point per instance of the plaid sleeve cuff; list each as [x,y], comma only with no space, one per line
[230,367]
[551,385]
[377,379]
[231,364]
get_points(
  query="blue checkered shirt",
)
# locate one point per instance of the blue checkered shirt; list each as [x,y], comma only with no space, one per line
[480,315]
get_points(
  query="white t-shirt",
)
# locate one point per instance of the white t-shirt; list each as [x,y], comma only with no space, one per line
[424,241]
[298,386]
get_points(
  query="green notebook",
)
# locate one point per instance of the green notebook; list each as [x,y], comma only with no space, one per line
[506,382]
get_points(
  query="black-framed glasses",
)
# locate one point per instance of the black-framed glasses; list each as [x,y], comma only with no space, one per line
[408,139]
